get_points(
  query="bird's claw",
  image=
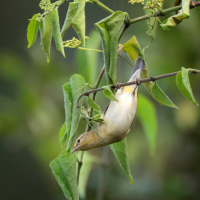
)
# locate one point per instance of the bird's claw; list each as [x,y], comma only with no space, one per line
[137,82]
[117,85]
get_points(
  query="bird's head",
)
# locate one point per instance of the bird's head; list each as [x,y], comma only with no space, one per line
[82,143]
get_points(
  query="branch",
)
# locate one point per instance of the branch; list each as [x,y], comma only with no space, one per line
[194,71]
[126,25]
[163,12]
[80,162]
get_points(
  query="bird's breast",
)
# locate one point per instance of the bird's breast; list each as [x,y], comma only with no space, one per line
[119,116]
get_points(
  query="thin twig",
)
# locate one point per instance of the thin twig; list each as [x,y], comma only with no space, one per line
[193,71]
[127,23]
[80,162]
[163,13]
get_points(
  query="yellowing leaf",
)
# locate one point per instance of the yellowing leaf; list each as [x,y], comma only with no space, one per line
[174,20]
[133,50]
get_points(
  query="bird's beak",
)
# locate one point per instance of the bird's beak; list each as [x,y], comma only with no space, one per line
[74,149]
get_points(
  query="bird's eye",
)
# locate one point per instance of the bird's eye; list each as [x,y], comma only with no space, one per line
[78,140]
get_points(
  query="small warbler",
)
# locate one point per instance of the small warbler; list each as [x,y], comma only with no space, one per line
[118,116]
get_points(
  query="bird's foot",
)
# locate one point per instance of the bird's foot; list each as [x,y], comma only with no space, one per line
[117,85]
[137,82]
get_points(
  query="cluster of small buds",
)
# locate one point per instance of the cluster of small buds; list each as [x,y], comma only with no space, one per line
[38,17]
[136,1]
[74,43]
[46,5]
[153,4]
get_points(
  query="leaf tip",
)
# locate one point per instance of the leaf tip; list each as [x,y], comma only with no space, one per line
[48,59]
[175,107]
[131,180]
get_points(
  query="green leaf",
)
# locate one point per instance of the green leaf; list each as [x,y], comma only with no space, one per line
[47,27]
[98,116]
[120,151]
[92,104]
[72,9]
[108,93]
[63,135]
[109,30]
[77,87]
[88,60]
[183,83]
[133,50]
[161,97]
[41,28]
[56,32]
[68,111]
[32,30]
[64,170]
[88,161]
[148,121]
[97,112]
[174,20]
[78,22]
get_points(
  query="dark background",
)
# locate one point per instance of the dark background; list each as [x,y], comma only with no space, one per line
[31,111]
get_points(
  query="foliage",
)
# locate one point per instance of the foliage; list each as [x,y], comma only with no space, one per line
[110,30]
[174,20]
[64,169]
[120,151]
[183,83]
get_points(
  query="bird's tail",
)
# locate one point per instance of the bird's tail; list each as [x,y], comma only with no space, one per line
[137,71]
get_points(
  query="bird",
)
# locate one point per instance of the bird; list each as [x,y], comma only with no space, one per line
[117,117]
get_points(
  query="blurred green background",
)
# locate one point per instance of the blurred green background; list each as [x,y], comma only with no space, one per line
[32,112]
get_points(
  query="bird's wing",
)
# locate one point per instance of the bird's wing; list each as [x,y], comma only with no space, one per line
[104,112]
[117,94]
